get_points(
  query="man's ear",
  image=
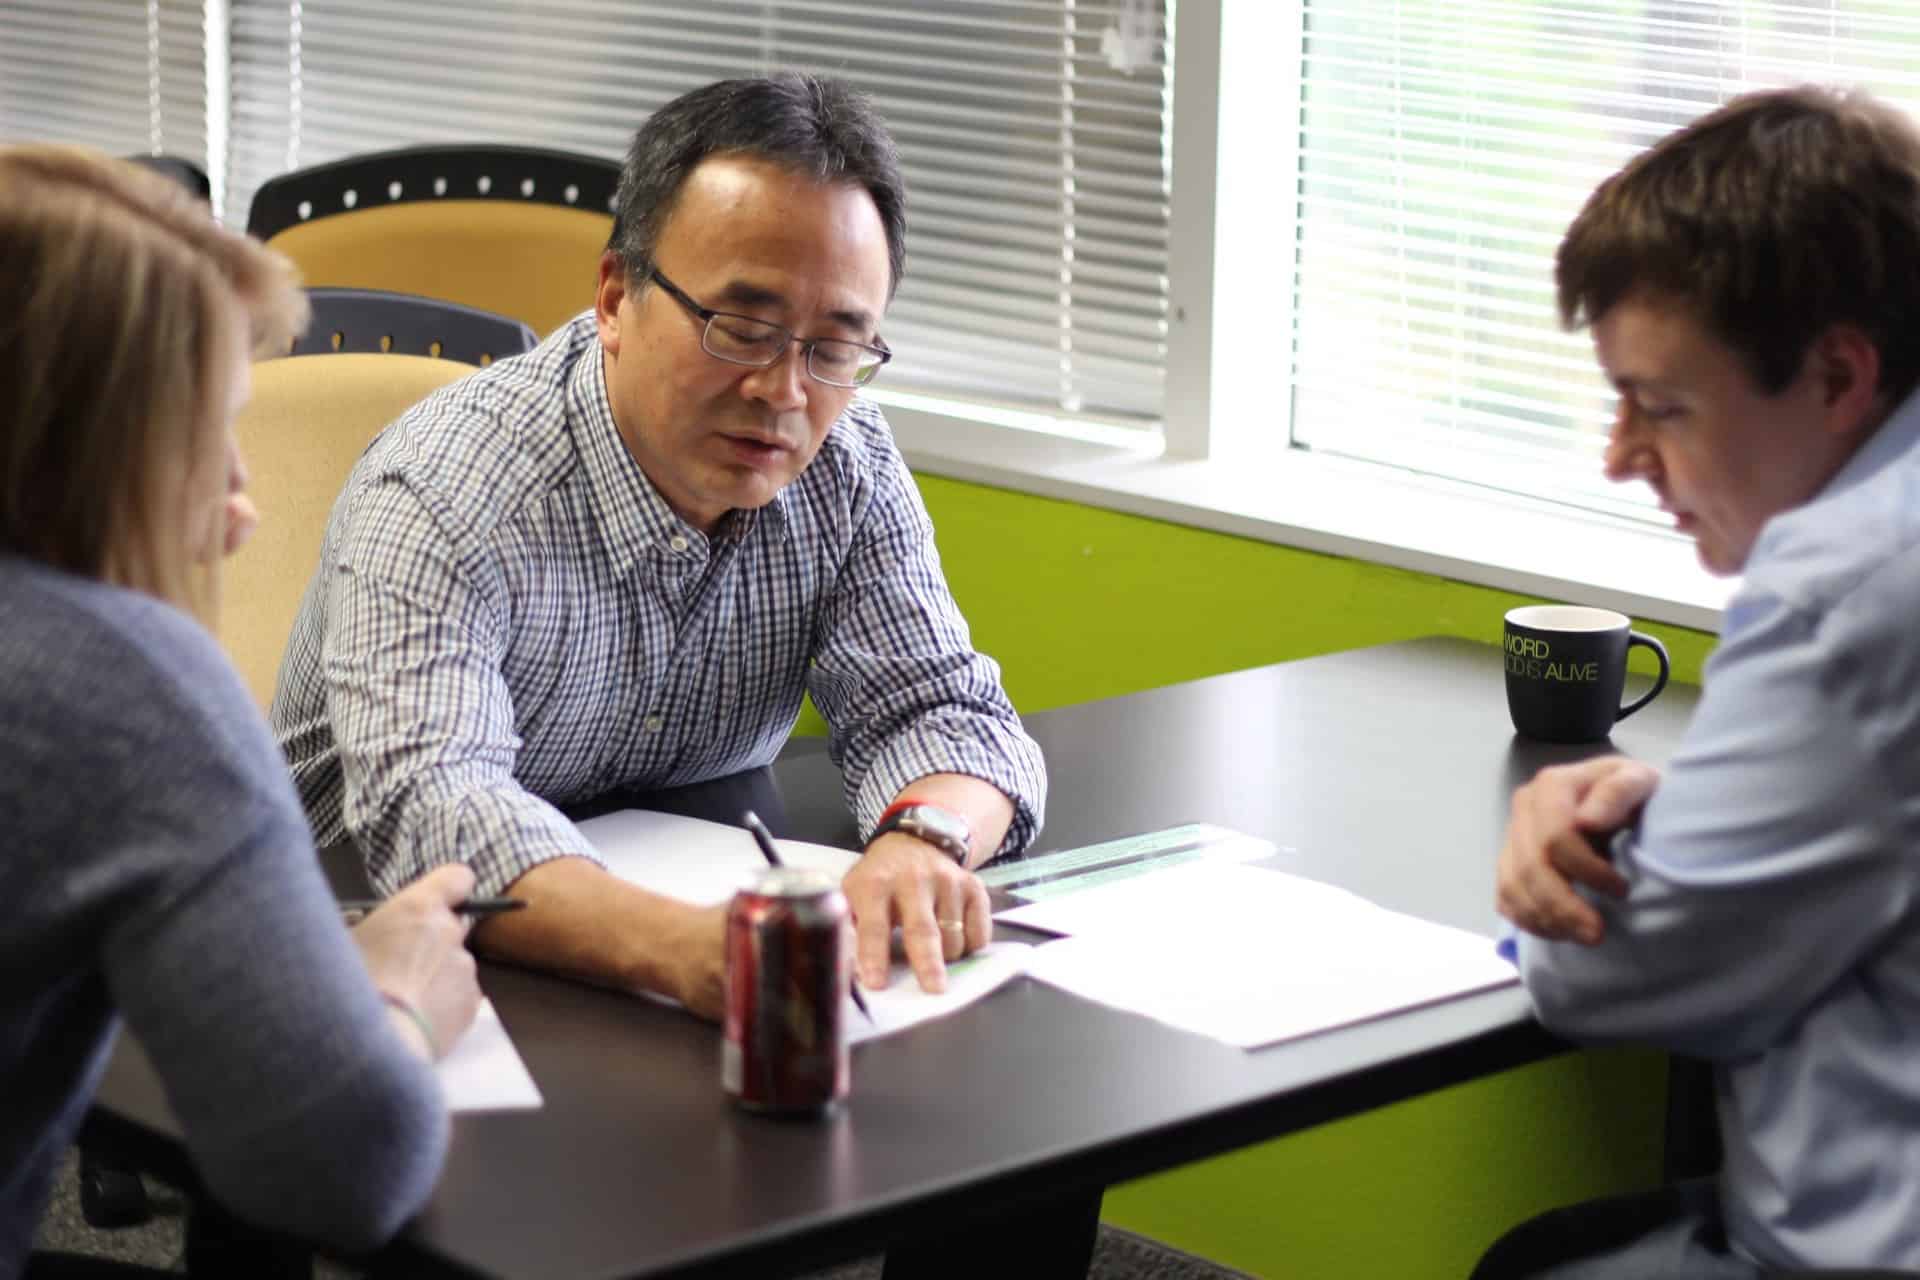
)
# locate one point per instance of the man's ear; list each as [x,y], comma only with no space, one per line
[608,294]
[1847,363]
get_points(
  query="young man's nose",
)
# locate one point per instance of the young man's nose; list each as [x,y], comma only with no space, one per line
[1629,454]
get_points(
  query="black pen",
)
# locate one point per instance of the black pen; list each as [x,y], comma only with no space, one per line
[356,909]
[764,838]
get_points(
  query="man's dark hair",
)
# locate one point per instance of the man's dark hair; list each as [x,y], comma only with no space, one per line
[1773,218]
[819,128]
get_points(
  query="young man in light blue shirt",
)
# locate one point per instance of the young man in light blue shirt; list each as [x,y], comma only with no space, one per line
[1753,287]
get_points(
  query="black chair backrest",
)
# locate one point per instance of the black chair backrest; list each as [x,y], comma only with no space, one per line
[433,173]
[185,172]
[373,320]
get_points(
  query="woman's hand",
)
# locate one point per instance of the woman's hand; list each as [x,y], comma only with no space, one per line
[415,949]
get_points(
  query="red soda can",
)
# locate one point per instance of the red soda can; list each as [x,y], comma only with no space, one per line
[785,1049]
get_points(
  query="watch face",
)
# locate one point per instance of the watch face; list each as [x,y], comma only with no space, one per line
[945,831]
[935,823]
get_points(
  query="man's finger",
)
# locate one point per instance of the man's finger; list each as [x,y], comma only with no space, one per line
[1532,893]
[920,934]
[1555,911]
[1613,800]
[873,939]
[950,916]
[979,915]
[1577,856]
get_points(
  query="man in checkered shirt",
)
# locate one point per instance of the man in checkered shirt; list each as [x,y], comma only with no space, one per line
[621,559]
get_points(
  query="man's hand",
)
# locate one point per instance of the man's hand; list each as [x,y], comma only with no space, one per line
[583,921]
[698,959]
[1547,850]
[941,909]
[414,948]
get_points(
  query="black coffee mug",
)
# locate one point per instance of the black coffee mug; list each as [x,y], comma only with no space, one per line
[1566,668]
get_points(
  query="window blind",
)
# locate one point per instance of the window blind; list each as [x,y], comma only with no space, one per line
[1032,134]
[1444,148]
[126,77]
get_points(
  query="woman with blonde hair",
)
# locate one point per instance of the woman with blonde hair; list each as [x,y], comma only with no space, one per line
[158,866]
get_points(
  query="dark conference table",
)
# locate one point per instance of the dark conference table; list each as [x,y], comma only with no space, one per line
[1384,770]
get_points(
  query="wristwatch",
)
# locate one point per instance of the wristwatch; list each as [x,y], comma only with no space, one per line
[944,829]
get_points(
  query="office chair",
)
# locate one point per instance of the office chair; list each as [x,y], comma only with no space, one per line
[308,422]
[377,321]
[515,230]
[185,172]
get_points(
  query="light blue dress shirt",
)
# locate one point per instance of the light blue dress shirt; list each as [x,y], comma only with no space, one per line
[1771,922]
[509,617]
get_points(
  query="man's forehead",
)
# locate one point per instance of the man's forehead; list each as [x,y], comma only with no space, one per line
[749,188]
[1643,339]
[742,222]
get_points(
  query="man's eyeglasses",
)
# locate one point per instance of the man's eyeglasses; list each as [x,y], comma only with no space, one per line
[744,340]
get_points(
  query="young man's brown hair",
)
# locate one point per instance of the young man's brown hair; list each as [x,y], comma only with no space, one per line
[1772,219]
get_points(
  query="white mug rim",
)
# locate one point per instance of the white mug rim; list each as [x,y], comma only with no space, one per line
[1571,618]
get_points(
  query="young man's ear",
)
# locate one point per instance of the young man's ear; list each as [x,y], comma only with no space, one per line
[608,294]
[1847,363]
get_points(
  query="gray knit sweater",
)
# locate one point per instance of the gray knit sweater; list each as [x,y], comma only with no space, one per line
[158,869]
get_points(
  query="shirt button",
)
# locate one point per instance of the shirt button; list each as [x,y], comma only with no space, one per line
[653,723]
[677,542]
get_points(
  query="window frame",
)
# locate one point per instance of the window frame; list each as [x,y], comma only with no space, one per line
[1224,460]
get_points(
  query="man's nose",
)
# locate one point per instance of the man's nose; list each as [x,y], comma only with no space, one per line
[781,385]
[1629,454]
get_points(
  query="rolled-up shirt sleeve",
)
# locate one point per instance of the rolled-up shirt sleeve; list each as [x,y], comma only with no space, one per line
[1774,856]
[421,712]
[896,676]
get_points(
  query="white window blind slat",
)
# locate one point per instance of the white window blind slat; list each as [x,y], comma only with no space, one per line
[124,76]
[1037,171]
[1442,151]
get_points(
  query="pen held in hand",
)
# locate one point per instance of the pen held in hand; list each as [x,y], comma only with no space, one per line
[764,838]
[354,910]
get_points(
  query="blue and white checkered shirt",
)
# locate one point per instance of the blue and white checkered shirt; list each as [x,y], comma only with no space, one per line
[507,617]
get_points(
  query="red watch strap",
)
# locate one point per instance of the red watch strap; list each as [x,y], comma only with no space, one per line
[905,802]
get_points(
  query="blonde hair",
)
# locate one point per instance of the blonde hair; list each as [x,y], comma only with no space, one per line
[118,294]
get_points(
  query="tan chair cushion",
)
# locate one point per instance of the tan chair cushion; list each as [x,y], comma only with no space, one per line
[535,262]
[310,419]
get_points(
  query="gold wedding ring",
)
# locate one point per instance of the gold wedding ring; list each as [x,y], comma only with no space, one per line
[952,924]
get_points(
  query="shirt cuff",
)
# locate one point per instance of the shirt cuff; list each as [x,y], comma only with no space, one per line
[501,834]
[1004,757]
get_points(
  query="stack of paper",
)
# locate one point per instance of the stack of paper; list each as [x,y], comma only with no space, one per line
[484,1072]
[1249,955]
[705,863]
[902,1004]
[693,860]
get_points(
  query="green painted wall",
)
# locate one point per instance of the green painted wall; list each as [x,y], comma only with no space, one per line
[1418,1189]
[1079,603]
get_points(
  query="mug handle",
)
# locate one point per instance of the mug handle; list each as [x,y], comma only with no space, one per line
[1659,681]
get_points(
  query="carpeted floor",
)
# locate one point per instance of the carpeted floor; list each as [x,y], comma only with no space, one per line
[1118,1255]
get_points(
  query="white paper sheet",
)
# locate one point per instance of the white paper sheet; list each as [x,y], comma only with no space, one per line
[705,863]
[1252,956]
[902,1004]
[483,1071]
[692,859]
